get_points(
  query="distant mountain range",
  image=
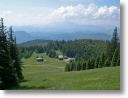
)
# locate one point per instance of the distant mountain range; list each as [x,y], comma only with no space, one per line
[63,31]
[22,36]
[65,27]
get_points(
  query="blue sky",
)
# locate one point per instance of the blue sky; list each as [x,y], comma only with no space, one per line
[53,3]
[46,12]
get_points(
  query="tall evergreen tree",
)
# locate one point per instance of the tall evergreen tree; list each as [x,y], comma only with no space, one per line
[115,40]
[75,66]
[67,68]
[91,64]
[84,65]
[78,65]
[102,61]
[113,44]
[118,61]
[107,63]
[14,53]
[97,62]
[52,53]
[7,72]
[115,58]
[88,63]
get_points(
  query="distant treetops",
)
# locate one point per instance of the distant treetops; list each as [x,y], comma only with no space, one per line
[10,64]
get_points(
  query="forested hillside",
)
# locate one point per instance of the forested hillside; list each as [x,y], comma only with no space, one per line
[105,58]
[78,48]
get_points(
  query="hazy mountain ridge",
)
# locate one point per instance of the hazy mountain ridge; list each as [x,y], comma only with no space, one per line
[65,27]
[64,31]
[37,42]
[23,36]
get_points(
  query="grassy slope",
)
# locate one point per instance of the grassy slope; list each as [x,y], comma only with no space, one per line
[51,75]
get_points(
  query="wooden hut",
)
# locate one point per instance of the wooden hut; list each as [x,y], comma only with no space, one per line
[40,59]
[60,57]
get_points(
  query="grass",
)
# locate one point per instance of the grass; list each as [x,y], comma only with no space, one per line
[50,75]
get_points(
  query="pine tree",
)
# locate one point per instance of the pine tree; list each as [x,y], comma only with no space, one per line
[71,66]
[81,64]
[91,64]
[115,40]
[52,53]
[78,66]
[84,65]
[118,61]
[107,63]
[7,72]
[15,55]
[115,58]
[111,47]
[97,62]
[102,61]
[88,63]
[67,68]
[74,67]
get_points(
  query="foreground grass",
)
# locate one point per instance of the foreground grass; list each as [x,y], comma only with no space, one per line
[50,75]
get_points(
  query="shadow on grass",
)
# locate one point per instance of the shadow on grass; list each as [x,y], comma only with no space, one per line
[24,80]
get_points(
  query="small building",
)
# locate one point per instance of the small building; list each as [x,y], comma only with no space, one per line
[65,57]
[70,59]
[40,59]
[60,57]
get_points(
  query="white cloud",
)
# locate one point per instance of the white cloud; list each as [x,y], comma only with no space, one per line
[107,12]
[67,12]
[86,12]
[81,14]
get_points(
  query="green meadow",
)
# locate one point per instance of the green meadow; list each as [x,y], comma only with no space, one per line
[50,75]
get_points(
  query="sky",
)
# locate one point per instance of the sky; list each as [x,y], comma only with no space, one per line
[47,12]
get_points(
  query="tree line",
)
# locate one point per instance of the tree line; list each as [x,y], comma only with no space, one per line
[10,64]
[79,49]
[107,58]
